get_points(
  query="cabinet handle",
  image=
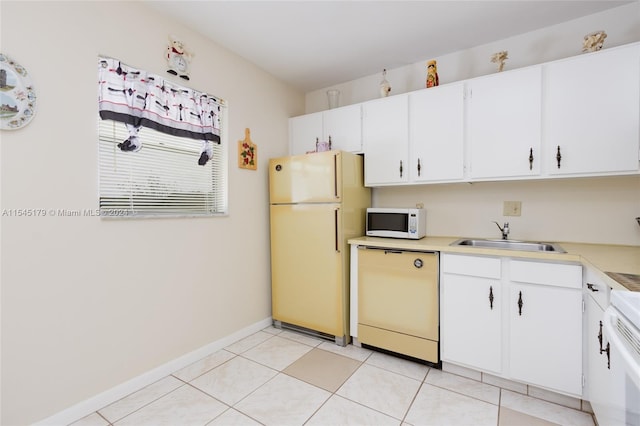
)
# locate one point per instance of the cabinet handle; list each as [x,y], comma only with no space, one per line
[558,156]
[600,338]
[400,168]
[419,167]
[592,287]
[607,349]
[491,297]
[531,159]
[520,304]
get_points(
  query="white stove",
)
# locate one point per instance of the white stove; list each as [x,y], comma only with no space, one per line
[628,303]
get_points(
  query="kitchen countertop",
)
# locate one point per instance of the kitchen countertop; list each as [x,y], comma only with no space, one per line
[599,257]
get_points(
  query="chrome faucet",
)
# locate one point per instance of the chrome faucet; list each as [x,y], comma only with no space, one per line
[504,229]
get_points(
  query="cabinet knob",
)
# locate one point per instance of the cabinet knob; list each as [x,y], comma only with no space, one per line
[592,287]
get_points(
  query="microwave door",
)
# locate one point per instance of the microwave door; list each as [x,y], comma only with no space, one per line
[391,222]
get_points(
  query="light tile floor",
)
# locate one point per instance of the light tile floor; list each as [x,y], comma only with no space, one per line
[280,377]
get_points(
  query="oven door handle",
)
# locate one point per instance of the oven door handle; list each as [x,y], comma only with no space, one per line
[620,344]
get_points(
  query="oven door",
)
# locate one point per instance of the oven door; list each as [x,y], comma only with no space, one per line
[624,339]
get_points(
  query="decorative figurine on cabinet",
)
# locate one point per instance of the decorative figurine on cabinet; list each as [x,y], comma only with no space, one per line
[499,58]
[178,58]
[432,74]
[385,87]
[594,41]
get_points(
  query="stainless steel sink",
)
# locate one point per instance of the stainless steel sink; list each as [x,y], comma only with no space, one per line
[510,245]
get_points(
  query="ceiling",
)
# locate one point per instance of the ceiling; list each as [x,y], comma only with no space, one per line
[316,44]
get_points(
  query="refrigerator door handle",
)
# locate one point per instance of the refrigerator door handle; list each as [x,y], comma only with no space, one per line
[335,176]
[337,236]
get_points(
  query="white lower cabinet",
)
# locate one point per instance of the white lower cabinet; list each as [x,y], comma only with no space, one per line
[601,391]
[477,341]
[517,319]
[546,336]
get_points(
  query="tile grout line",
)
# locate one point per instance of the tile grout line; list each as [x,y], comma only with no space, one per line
[499,405]
[413,400]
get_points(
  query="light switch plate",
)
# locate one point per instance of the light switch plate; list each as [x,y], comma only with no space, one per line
[512,208]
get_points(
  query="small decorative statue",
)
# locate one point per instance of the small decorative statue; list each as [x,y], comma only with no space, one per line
[594,41]
[178,58]
[432,74]
[385,87]
[499,58]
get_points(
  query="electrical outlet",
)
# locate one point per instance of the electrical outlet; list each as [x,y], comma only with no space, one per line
[512,208]
[419,206]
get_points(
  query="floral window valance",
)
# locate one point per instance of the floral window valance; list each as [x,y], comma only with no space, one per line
[138,98]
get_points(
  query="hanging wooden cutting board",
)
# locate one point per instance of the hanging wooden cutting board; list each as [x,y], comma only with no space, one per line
[247,152]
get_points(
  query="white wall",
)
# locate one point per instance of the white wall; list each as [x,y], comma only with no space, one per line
[587,210]
[622,25]
[89,304]
[598,210]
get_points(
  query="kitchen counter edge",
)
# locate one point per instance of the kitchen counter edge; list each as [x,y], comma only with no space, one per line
[599,257]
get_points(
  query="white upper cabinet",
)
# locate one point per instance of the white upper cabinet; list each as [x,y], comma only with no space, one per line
[436,134]
[504,125]
[303,133]
[592,112]
[343,125]
[385,135]
[578,116]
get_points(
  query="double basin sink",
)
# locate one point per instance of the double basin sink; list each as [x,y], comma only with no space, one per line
[510,245]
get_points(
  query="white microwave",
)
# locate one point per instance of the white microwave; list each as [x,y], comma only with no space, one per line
[396,223]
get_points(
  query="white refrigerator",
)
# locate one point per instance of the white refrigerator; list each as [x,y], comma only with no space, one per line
[317,203]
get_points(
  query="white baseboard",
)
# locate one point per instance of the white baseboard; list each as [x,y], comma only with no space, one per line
[93,404]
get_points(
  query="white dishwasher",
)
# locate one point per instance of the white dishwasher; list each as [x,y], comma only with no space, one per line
[398,301]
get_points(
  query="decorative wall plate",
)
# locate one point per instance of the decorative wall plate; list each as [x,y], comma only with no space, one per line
[17,95]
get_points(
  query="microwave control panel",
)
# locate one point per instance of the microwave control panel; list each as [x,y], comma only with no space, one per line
[413,224]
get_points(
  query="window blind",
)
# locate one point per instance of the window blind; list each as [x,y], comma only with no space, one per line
[162,179]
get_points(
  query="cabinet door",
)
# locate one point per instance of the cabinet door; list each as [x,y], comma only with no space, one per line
[436,131]
[546,336]
[471,321]
[592,112]
[601,392]
[303,132]
[505,124]
[385,133]
[344,127]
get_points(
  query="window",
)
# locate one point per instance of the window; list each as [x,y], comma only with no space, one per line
[162,179]
[161,146]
